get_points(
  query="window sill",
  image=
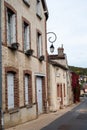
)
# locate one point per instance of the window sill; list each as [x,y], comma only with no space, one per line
[14,46]
[41,58]
[12,111]
[29,52]
[29,106]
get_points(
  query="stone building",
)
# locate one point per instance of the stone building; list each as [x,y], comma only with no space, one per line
[24,60]
[59,82]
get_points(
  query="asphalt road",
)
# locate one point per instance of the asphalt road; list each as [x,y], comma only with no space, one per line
[75,119]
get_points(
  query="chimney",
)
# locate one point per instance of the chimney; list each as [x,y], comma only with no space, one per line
[61,51]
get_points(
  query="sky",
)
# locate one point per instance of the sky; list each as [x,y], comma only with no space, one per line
[68,20]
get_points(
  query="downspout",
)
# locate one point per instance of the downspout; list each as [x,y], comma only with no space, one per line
[1,111]
[47,94]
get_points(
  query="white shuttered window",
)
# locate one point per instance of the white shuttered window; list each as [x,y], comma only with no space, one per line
[10,86]
[26,37]
[38,8]
[39,44]
[26,89]
[11,26]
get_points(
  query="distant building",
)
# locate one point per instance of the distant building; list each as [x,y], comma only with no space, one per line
[59,82]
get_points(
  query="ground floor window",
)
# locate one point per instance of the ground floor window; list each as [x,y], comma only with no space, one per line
[27,88]
[10,86]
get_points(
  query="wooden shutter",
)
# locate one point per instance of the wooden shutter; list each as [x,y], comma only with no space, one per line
[38,8]
[8,27]
[13,27]
[10,85]
[28,40]
[25,34]
[26,37]
[64,90]
[58,91]
[26,88]
[40,45]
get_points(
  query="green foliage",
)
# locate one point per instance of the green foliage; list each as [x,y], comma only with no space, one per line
[78,70]
[81,84]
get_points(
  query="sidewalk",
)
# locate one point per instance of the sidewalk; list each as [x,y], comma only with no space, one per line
[43,120]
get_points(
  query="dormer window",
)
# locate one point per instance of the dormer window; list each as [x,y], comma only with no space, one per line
[38,9]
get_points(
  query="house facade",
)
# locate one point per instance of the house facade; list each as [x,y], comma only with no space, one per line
[24,60]
[59,82]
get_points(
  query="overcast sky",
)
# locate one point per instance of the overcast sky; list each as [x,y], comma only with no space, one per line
[68,19]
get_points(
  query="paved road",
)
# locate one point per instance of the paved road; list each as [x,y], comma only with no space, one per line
[73,117]
[76,119]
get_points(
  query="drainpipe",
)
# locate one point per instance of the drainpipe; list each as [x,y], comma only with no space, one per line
[1,111]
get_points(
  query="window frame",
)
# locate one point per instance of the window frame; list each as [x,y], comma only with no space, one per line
[38,9]
[10,90]
[10,9]
[26,89]
[14,71]
[29,75]
[39,44]
[28,28]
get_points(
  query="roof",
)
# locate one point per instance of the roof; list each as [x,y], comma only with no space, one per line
[56,57]
[54,63]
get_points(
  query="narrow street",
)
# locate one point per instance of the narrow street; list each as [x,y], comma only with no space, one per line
[76,119]
[73,117]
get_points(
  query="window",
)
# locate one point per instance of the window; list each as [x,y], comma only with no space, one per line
[11,26]
[39,44]
[64,90]
[27,89]
[27,2]
[38,8]
[10,86]
[58,90]
[26,36]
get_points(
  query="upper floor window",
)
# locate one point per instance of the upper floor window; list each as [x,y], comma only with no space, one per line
[26,36]
[27,2]
[39,44]
[38,8]
[11,26]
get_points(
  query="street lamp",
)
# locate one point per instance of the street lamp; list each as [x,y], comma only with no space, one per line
[52,39]
[52,48]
